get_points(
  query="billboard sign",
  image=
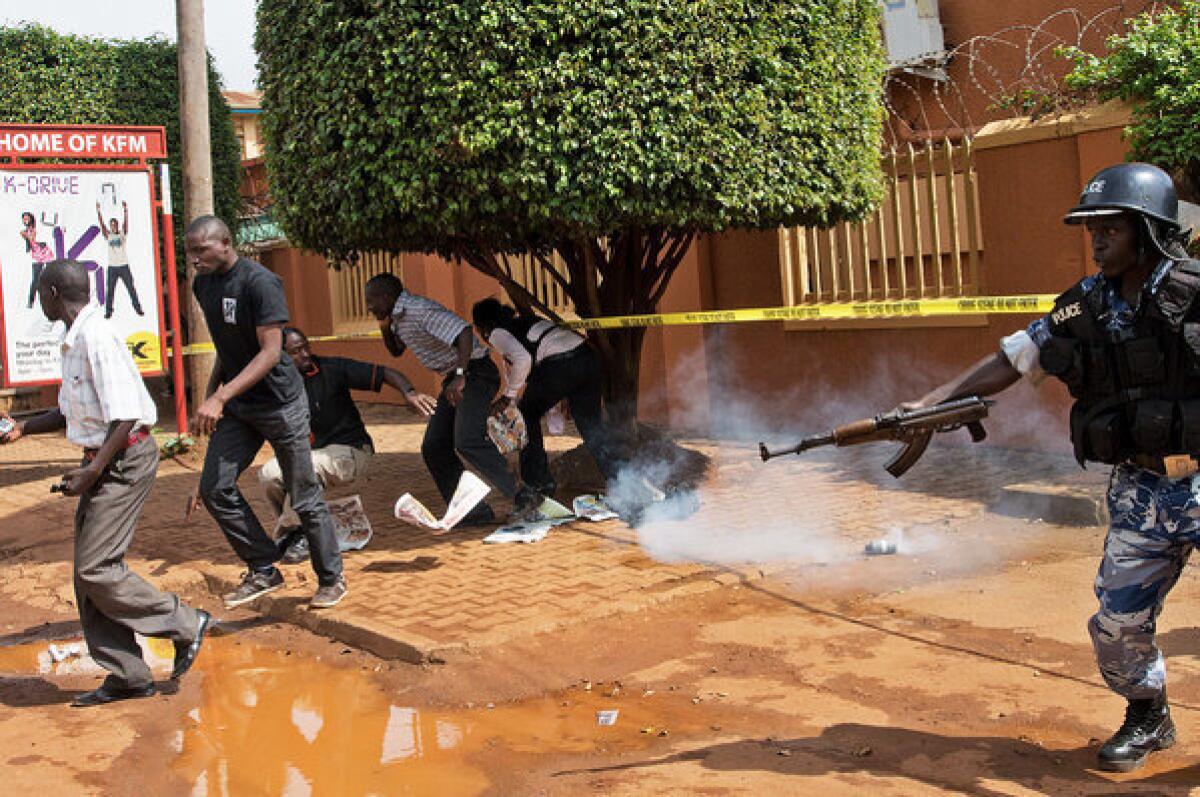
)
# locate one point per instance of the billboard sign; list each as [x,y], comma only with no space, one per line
[101,216]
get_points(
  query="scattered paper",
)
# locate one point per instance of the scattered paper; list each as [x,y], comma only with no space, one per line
[592,507]
[520,532]
[607,716]
[550,509]
[350,523]
[470,491]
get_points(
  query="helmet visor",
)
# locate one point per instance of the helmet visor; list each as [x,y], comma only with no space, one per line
[1080,215]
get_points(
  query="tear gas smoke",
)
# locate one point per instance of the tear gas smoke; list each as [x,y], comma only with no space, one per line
[748,512]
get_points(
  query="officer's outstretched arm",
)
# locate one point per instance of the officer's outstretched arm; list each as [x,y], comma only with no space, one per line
[990,375]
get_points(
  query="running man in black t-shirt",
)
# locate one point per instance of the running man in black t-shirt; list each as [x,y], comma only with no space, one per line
[254,394]
[341,448]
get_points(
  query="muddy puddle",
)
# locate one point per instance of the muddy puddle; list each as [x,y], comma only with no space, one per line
[271,723]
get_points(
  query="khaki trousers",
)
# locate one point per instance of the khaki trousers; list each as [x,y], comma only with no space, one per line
[114,602]
[334,465]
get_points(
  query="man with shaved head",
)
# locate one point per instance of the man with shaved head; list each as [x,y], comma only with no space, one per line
[105,408]
[254,394]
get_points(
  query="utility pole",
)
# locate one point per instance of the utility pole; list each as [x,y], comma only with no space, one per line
[197,165]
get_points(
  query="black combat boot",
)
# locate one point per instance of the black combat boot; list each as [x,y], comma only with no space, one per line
[1147,728]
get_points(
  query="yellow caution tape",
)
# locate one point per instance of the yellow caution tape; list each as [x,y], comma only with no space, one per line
[902,308]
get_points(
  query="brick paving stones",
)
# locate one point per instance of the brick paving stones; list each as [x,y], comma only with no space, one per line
[415,595]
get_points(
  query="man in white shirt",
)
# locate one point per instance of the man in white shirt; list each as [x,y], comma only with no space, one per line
[106,410]
[546,363]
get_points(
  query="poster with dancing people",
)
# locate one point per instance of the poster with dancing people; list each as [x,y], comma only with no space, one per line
[105,219]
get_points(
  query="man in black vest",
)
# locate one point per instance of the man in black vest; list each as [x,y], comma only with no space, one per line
[1126,341]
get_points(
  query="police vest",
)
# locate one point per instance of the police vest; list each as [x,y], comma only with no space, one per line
[1136,390]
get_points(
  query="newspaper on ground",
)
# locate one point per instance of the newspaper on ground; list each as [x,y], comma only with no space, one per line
[467,495]
[350,523]
[553,510]
[593,508]
[528,532]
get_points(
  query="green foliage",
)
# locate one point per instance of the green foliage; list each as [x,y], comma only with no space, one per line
[406,125]
[51,78]
[1156,67]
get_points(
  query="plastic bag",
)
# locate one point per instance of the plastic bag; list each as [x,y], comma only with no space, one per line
[507,430]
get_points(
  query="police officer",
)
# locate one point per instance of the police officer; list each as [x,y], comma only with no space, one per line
[1126,342]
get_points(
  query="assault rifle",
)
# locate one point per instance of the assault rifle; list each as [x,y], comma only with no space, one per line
[914,428]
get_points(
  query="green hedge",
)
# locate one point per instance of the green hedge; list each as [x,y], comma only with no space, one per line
[405,125]
[52,78]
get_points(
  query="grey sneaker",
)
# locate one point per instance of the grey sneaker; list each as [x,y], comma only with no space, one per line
[297,552]
[254,585]
[329,595]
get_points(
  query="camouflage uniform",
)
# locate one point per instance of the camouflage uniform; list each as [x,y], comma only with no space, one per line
[1155,521]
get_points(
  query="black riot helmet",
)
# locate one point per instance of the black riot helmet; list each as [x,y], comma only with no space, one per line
[1138,188]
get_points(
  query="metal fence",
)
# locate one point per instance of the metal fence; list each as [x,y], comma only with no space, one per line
[924,240]
[346,289]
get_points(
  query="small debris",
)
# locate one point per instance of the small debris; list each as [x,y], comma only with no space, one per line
[714,727]
[64,652]
[647,693]
[607,716]
[1037,673]
[712,669]
[722,694]
[491,705]
[695,700]
[587,686]
[784,753]
[664,732]
[1059,760]
[863,751]
[649,729]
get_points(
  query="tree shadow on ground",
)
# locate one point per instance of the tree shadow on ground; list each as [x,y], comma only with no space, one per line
[47,632]
[977,765]
[27,692]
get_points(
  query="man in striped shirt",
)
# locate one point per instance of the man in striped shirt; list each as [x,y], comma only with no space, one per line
[106,410]
[445,344]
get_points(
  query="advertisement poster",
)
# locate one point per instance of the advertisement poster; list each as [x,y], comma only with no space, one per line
[105,219]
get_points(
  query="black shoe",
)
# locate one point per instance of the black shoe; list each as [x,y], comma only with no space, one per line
[186,652]
[1148,727]
[525,506]
[254,585]
[111,694]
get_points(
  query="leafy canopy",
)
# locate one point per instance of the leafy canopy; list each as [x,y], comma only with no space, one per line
[51,78]
[1156,67]
[406,125]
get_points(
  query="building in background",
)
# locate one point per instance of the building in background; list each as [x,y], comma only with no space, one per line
[246,107]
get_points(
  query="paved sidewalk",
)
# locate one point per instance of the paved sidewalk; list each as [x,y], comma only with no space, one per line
[415,596]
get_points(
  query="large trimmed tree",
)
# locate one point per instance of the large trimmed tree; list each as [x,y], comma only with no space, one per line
[610,133]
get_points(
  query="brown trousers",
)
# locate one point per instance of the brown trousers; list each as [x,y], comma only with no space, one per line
[114,602]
